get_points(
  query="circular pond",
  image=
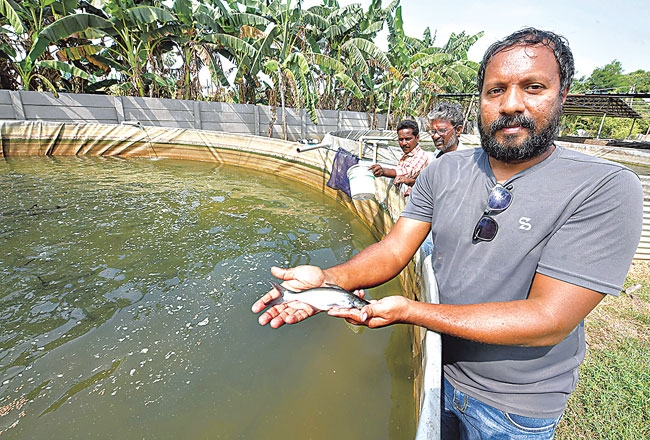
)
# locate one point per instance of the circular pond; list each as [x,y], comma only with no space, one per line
[126,295]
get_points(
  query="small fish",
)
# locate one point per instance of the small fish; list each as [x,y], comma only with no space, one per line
[320,298]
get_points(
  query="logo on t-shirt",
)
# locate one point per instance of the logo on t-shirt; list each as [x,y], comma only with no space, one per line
[524,224]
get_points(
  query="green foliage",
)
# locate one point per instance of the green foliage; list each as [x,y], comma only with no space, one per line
[273,52]
[613,393]
[10,13]
[421,71]
[269,51]
[606,79]
[611,79]
[638,82]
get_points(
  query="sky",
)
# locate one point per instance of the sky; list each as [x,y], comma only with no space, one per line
[598,31]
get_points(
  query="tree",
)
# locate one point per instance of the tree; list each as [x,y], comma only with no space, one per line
[124,30]
[346,35]
[638,81]
[258,51]
[282,55]
[421,70]
[29,65]
[607,79]
[203,36]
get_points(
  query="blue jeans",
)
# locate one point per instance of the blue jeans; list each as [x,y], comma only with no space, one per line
[464,417]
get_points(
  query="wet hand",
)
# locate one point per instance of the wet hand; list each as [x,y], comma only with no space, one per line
[297,278]
[386,311]
[286,313]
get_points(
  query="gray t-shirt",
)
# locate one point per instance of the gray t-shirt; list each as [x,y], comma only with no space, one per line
[573,217]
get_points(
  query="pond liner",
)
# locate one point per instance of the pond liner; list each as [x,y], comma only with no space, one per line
[312,167]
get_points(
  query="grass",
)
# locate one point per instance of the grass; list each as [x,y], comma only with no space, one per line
[612,400]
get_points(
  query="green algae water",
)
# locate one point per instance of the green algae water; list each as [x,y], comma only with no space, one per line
[125,308]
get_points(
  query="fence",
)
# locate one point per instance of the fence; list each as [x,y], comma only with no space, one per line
[201,115]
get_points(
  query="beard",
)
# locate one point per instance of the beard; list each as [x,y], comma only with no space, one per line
[453,140]
[534,145]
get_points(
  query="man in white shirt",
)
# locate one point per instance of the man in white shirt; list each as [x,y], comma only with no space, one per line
[445,126]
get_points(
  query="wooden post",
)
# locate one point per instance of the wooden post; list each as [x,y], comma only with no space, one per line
[631,128]
[602,121]
[469,109]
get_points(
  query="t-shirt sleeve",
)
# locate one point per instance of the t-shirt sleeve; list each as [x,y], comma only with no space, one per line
[595,246]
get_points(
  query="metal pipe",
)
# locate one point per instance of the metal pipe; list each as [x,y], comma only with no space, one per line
[469,109]
[138,124]
[373,141]
[311,147]
[375,138]
[390,101]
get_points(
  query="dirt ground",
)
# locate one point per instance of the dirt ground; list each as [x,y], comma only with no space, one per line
[640,270]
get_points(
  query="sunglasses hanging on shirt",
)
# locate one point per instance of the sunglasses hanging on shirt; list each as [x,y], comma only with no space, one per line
[499,200]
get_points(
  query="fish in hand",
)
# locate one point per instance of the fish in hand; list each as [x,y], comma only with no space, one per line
[320,298]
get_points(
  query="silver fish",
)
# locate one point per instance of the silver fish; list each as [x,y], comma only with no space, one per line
[320,298]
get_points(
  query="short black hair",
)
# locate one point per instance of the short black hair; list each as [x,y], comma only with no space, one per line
[447,111]
[409,123]
[531,37]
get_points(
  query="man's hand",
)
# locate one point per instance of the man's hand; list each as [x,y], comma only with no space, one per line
[298,278]
[386,311]
[377,170]
[405,180]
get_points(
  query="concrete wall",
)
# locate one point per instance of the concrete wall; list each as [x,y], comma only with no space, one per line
[200,115]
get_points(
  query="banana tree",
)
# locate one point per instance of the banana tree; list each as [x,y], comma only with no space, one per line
[124,43]
[283,57]
[293,76]
[206,36]
[345,35]
[244,40]
[422,71]
[32,65]
[134,38]
[446,69]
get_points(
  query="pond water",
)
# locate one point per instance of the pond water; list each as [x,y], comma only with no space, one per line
[125,308]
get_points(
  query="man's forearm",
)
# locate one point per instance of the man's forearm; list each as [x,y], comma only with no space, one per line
[389,172]
[381,261]
[354,273]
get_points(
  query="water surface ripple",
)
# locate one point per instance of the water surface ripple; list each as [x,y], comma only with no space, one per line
[125,308]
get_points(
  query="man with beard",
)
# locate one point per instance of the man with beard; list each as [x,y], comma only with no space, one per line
[529,237]
[445,126]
